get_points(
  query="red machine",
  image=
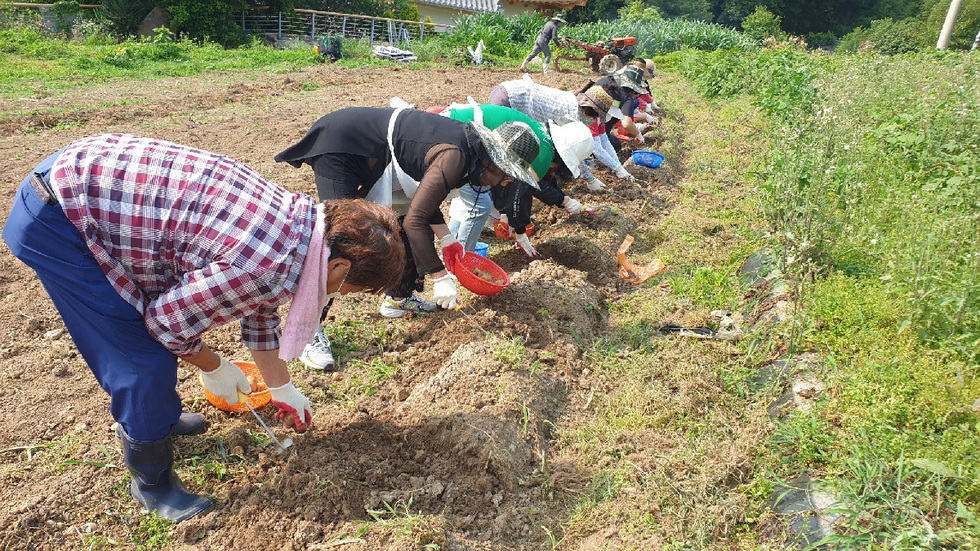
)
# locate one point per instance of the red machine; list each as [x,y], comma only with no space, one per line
[606,56]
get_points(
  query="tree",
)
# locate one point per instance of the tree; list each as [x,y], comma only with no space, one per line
[762,24]
[638,11]
[699,10]
[934,13]
[125,16]
[214,20]
[733,12]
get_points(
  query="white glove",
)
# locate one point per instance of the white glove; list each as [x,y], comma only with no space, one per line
[525,244]
[452,251]
[444,291]
[572,206]
[226,381]
[641,128]
[291,401]
[624,174]
[640,138]
[596,185]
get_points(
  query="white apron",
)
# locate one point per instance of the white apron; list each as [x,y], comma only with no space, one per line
[395,188]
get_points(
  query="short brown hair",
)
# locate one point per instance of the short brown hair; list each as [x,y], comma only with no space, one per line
[369,236]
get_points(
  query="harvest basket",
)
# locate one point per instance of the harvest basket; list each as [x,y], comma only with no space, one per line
[480,286]
[260,397]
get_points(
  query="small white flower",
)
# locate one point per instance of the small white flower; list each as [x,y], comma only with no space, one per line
[874,241]
[847,146]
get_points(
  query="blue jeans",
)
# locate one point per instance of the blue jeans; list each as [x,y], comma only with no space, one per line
[478,207]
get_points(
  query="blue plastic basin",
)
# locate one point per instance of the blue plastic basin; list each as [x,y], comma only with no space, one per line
[648,158]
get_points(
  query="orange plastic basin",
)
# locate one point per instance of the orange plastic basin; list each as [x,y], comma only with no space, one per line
[260,397]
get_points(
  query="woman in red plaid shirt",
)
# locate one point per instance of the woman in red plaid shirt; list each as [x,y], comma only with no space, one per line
[143,245]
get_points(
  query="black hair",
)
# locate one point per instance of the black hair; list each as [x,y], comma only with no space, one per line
[560,171]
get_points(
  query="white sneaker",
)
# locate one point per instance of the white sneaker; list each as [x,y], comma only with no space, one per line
[318,354]
[391,308]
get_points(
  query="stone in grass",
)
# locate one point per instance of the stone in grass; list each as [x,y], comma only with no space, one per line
[805,510]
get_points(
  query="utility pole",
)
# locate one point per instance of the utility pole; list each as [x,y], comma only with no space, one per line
[947,32]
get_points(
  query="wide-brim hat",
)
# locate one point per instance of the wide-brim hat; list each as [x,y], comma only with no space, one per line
[513,146]
[630,77]
[557,18]
[599,99]
[573,142]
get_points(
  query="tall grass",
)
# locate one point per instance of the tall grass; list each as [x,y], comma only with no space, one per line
[872,187]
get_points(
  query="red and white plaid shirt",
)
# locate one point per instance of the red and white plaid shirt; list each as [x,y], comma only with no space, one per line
[191,239]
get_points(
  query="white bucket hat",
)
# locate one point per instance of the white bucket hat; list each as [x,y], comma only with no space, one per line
[573,142]
[513,146]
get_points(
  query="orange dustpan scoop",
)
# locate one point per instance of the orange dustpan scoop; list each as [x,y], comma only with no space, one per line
[633,273]
[259,397]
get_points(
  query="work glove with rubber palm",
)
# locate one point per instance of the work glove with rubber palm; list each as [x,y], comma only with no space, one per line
[444,291]
[596,185]
[503,230]
[621,172]
[452,251]
[291,401]
[572,206]
[525,244]
[226,381]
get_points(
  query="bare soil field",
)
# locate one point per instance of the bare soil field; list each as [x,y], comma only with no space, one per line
[457,439]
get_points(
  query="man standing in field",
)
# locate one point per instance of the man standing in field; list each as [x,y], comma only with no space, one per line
[548,34]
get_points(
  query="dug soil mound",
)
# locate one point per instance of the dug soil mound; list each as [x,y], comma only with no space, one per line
[441,423]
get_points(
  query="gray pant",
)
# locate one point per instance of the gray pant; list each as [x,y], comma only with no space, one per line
[539,48]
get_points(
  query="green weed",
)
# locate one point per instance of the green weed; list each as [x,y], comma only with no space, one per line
[427,532]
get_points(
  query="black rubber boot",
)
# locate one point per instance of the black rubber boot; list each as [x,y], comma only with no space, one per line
[189,424]
[155,484]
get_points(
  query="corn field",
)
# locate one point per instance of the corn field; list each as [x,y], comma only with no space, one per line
[513,37]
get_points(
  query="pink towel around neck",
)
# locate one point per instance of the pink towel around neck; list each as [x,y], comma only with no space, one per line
[311,292]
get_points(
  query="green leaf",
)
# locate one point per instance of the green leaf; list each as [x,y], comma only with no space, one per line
[933,467]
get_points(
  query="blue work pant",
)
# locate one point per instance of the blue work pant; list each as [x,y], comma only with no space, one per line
[478,206]
[138,372]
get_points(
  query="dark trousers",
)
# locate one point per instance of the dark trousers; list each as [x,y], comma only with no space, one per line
[138,372]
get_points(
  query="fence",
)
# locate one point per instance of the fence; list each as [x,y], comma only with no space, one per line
[312,23]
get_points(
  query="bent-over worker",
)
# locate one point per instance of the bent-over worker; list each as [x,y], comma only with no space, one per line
[144,245]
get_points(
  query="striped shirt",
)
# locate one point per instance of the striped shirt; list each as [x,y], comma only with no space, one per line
[191,239]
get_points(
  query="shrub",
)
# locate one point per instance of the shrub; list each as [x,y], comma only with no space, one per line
[762,24]
[821,40]
[638,11]
[852,41]
[895,37]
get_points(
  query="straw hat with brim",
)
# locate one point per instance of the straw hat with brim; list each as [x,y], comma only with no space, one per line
[573,142]
[631,77]
[512,147]
[599,99]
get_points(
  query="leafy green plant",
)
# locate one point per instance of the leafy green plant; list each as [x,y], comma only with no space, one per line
[152,532]
[511,352]
[762,24]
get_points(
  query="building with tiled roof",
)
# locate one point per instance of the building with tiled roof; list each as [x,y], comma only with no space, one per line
[446,11]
